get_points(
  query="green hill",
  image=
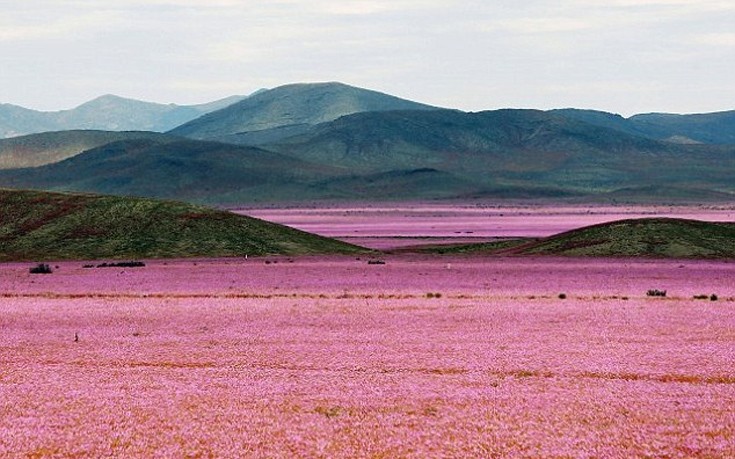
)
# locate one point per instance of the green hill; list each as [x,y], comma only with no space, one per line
[52,226]
[646,237]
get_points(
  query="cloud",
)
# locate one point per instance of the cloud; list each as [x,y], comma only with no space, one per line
[726,39]
[469,53]
[18,26]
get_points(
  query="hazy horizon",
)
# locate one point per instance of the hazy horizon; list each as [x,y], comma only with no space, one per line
[619,56]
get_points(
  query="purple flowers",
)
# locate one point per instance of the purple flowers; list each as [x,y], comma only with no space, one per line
[324,357]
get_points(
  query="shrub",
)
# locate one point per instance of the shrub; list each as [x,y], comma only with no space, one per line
[713,297]
[41,268]
[562,296]
[700,297]
[376,262]
[122,264]
[656,292]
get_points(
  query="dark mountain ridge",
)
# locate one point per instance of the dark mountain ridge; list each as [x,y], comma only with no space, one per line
[711,128]
[509,148]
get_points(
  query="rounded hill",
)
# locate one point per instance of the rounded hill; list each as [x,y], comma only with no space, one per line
[645,237]
[54,226]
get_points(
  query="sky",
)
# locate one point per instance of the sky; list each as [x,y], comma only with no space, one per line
[621,56]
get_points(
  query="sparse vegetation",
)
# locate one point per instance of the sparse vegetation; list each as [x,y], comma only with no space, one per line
[656,292]
[122,264]
[41,268]
[455,249]
[36,224]
[644,237]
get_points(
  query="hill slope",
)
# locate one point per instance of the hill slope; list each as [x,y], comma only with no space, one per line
[647,237]
[512,150]
[188,170]
[110,113]
[51,147]
[716,127]
[52,226]
[711,128]
[287,110]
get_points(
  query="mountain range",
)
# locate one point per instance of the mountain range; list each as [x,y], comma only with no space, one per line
[334,141]
[109,112]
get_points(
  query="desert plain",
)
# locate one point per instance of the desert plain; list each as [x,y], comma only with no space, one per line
[376,355]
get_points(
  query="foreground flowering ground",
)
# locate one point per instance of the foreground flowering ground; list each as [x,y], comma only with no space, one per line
[334,357]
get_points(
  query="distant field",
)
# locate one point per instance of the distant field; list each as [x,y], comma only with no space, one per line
[421,356]
[386,226]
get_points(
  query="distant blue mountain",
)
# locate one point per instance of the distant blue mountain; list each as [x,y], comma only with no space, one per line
[109,113]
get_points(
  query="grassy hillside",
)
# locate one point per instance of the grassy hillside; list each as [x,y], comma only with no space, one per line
[53,226]
[648,237]
[645,237]
[51,147]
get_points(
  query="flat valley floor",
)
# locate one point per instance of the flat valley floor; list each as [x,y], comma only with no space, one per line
[415,356]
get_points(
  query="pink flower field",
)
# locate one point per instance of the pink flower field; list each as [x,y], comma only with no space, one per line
[332,357]
[385,226]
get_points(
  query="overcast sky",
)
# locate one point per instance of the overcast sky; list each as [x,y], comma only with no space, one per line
[623,56]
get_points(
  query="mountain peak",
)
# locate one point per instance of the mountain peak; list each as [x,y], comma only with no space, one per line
[291,105]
